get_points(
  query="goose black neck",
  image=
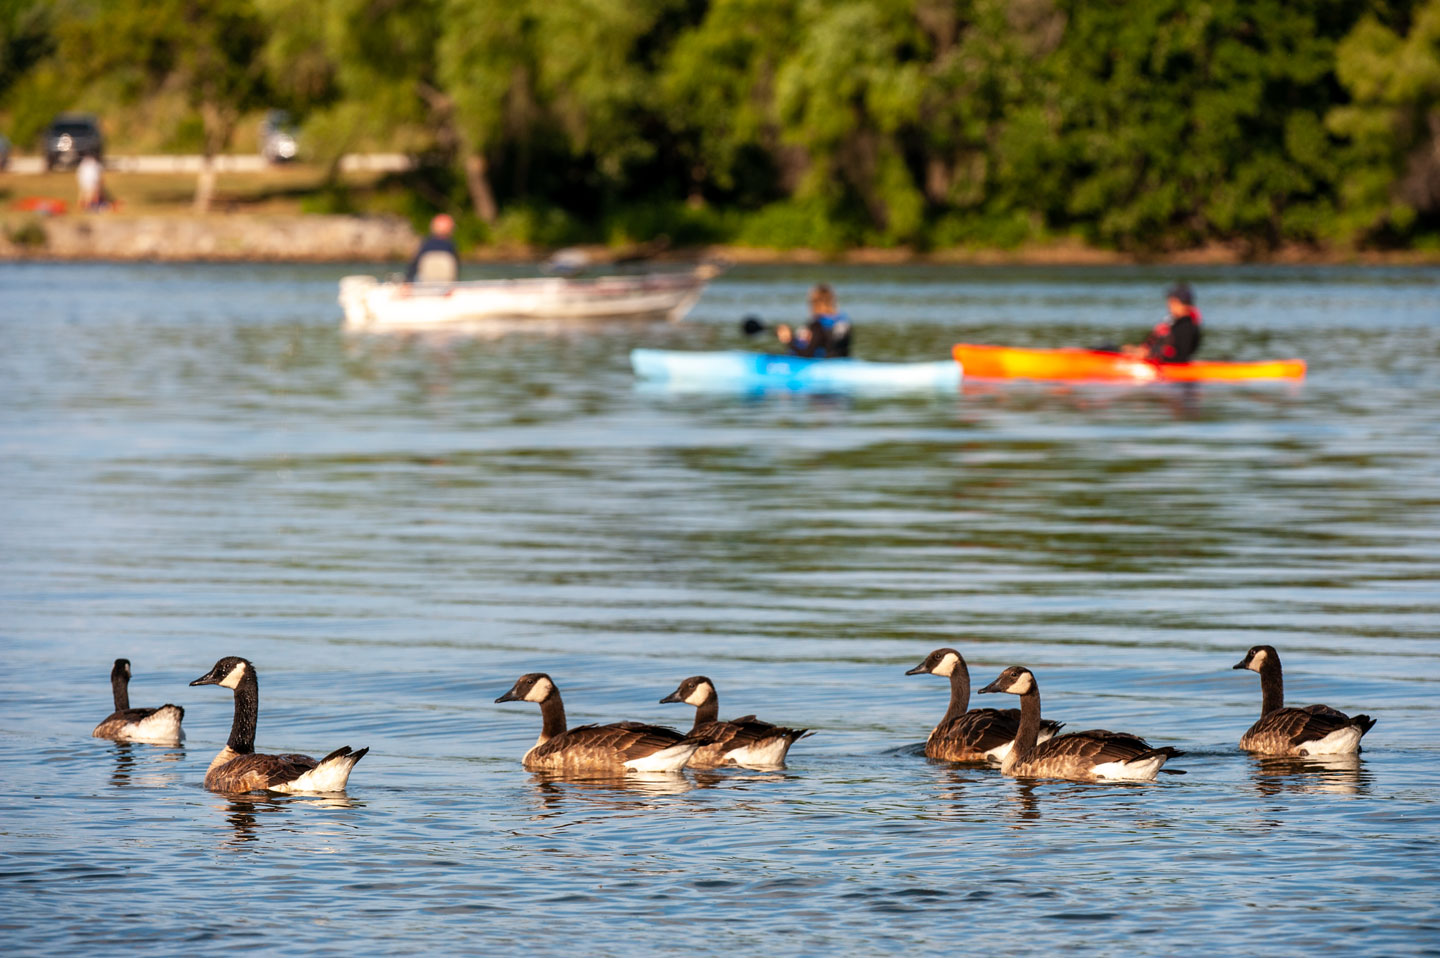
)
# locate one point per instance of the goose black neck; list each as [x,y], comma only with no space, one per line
[1272,686]
[708,712]
[247,711]
[552,713]
[1029,731]
[120,688]
[959,691]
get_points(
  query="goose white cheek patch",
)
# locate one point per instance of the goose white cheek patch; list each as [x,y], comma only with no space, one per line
[233,677]
[540,691]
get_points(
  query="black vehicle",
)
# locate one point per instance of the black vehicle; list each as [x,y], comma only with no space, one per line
[71,136]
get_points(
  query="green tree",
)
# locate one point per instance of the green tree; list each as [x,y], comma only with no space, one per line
[848,95]
[487,63]
[25,38]
[1188,121]
[1392,123]
[989,133]
[716,90]
[32,88]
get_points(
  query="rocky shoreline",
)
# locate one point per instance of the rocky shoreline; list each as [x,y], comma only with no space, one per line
[318,238]
[216,238]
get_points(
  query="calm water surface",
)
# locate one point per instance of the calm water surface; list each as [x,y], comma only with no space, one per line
[196,462]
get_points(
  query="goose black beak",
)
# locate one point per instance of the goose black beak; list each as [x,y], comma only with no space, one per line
[509,696]
[206,679]
[1241,664]
[672,697]
[993,687]
[918,669]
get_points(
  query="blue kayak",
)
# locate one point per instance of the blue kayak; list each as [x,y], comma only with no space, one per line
[739,370]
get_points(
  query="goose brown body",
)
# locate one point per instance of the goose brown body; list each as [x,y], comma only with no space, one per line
[743,741]
[157,726]
[1080,756]
[1312,730]
[618,746]
[965,734]
[239,768]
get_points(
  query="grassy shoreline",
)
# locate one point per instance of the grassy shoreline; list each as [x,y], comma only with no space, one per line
[292,213]
[322,238]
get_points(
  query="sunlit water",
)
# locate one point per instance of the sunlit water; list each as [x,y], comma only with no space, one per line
[196,462]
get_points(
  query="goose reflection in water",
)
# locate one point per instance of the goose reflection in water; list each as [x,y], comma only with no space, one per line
[1337,774]
[621,792]
[1183,400]
[740,777]
[964,790]
[132,766]
[245,814]
[1025,803]
[1077,802]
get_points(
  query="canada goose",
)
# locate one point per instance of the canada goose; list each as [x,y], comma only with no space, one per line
[1080,756]
[632,746]
[239,769]
[971,735]
[1313,730]
[743,741]
[152,726]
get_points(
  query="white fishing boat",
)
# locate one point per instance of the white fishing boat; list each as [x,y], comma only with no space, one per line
[662,295]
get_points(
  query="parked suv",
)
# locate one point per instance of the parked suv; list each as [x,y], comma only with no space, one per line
[71,136]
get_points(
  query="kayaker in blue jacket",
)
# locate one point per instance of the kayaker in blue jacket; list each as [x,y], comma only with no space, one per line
[826,336]
[1176,338]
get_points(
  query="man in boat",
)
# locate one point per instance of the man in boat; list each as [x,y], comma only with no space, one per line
[1176,338]
[827,336]
[436,260]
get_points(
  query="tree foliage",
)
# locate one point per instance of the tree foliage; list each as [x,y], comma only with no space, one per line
[1136,124]
[1391,124]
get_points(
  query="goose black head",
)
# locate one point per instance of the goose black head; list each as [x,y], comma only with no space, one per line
[227,673]
[939,662]
[1257,658]
[532,687]
[1017,680]
[121,669]
[696,690]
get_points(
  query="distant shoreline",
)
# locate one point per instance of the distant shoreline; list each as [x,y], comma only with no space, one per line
[322,238]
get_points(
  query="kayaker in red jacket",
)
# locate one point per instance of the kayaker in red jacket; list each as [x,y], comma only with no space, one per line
[1176,338]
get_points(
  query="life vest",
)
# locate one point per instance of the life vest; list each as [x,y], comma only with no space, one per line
[1161,333]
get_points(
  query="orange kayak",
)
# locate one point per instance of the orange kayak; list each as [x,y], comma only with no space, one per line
[1005,362]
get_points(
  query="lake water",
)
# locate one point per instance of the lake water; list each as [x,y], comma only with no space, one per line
[196,462]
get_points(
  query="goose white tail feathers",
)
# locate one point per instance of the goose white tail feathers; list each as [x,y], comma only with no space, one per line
[329,775]
[1142,768]
[670,759]
[145,726]
[769,752]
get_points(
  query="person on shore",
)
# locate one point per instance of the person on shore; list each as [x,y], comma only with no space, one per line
[1176,338]
[89,183]
[826,336]
[436,261]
